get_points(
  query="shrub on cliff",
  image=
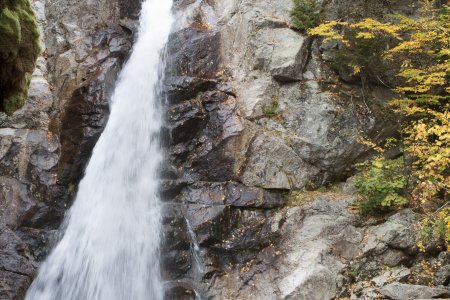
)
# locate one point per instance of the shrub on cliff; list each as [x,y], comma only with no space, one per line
[381,184]
[418,50]
[19,49]
[305,14]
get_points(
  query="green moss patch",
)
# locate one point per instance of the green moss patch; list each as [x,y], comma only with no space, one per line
[19,49]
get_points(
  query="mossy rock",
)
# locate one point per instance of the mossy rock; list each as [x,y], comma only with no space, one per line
[19,49]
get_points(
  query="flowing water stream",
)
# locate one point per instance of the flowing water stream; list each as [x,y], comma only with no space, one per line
[109,249]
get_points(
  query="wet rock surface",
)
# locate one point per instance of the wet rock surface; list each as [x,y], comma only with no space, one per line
[45,146]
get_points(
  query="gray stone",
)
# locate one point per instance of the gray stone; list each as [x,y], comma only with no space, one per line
[302,268]
[396,274]
[397,232]
[319,284]
[401,291]
[442,276]
[16,204]
[282,52]
[365,294]
[392,257]
[272,164]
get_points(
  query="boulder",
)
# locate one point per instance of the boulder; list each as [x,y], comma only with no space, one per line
[402,291]
[397,232]
[271,164]
[442,276]
[398,274]
[281,52]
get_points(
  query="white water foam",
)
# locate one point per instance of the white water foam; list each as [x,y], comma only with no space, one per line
[110,246]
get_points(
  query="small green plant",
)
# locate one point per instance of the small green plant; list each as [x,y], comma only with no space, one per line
[71,189]
[353,271]
[272,109]
[305,14]
[380,185]
[435,228]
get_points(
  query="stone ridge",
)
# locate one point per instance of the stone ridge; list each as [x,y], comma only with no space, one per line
[255,114]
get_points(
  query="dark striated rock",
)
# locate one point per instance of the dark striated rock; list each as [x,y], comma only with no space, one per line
[194,53]
[205,136]
[184,87]
[85,116]
[176,263]
[176,258]
[170,188]
[130,8]
[186,119]
[180,291]
[246,197]
[231,194]
[175,232]
[16,269]
[13,254]
[13,286]
[208,222]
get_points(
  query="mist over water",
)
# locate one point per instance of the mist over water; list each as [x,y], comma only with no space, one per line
[110,245]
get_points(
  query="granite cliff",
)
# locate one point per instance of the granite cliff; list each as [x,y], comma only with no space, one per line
[261,137]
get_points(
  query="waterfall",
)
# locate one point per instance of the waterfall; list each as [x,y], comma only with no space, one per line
[110,244]
[195,250]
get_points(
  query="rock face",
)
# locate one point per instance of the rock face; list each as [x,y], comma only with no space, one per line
[45,145]
[254,115]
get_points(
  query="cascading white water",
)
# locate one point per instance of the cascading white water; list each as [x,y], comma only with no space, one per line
[109,249]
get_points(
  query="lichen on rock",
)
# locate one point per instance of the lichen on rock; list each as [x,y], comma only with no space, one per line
[19,50]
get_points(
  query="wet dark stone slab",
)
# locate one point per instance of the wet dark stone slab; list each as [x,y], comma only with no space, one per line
[194,53]
[231,194]
[179,291]
[178,88]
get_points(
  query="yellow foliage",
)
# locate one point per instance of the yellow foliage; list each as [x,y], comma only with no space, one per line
[328,31]
[373,28]
[423,45]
